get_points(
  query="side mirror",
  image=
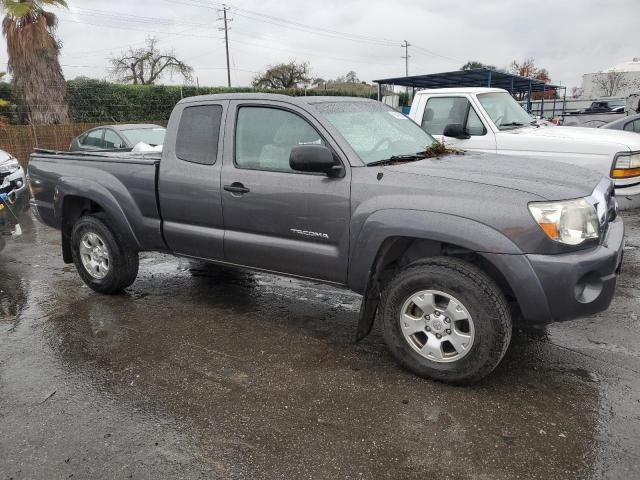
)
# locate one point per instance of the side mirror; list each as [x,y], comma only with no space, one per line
[311,158]
[456,130]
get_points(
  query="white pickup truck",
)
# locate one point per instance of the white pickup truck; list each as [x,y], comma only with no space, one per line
[490,120]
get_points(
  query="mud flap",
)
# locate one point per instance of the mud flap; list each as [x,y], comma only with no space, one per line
[368,311]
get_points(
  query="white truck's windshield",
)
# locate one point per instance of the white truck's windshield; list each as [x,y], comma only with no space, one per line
[504,111]
[374,130]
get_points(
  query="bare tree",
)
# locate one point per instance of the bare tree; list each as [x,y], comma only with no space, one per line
[352,77]
[148,64]
[611,83]
[284,75]
[576,92]
[529,69]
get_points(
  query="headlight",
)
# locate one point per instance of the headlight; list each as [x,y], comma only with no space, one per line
[570,222]
[9,166]
[626,165]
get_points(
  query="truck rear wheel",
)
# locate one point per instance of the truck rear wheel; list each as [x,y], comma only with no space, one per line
[102,262]
[445,319]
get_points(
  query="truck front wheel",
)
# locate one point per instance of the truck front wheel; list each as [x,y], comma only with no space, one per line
[102,262]
[445,319]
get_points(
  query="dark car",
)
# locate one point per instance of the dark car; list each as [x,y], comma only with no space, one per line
[630,124]
[341,190]
[114,137]
[606,106]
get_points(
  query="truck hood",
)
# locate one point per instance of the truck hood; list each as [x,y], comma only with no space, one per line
[574,139]
[546,179]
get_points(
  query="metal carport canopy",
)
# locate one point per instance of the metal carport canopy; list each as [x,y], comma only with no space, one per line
[481,77]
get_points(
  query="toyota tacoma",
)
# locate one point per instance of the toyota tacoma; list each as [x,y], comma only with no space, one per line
[444,250]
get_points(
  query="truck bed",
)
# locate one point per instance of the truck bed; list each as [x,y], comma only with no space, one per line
[123,180]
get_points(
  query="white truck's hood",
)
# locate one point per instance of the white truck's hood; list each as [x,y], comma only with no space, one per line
[570,139]
[591,148]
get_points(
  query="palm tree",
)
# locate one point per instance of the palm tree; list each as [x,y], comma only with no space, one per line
[33,59]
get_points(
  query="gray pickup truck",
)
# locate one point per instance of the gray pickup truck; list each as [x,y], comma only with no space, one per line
[443,250]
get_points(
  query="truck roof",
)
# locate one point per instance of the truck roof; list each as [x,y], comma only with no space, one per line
[460,90]
[305,100]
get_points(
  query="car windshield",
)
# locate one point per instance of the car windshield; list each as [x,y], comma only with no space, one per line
[150,136]
[504,111]
[374,130]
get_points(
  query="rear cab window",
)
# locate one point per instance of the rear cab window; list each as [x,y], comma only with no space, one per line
[198,134]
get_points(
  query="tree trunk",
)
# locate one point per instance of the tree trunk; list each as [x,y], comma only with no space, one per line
[33,60]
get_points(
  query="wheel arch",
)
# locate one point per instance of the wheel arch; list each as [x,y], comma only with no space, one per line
[392,239]
[72,202]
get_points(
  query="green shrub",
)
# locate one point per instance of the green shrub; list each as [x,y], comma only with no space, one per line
[99,101]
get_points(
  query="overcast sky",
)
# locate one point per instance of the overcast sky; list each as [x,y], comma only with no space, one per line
[568,37]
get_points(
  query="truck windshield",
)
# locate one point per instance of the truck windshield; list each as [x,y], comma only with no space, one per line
[504,111]
[375,131]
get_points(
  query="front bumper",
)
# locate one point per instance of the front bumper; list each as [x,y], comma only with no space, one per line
[581,283]
[555,288]
[628,193]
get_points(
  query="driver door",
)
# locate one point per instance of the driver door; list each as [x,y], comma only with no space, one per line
[441,111]
[276,218]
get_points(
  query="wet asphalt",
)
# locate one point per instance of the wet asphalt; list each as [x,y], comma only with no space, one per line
[201,372]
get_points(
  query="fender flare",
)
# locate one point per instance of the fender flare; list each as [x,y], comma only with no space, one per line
[113,208]
[419,224]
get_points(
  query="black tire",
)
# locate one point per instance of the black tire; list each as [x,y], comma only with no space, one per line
[123,262]
[477,292]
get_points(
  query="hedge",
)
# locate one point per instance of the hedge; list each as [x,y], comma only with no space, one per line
[93,101]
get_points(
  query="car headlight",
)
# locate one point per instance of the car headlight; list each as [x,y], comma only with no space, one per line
[570,222]
[9,166]
[626,165]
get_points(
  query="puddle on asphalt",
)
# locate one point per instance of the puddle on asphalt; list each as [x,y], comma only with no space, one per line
[261,378]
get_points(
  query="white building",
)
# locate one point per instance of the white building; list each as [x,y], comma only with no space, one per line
[621,79]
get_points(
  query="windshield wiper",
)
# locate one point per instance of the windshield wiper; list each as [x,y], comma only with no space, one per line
[398,158]
[512,124]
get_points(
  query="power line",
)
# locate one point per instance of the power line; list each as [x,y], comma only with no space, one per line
[281,22]
[434,54]
[122,27]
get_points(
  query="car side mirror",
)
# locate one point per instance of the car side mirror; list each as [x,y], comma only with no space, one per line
[313,158]
[455,130]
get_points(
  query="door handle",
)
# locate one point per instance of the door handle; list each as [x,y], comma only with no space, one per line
[236,187]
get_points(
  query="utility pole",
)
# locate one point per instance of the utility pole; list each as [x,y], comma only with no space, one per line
[226,39]
[406,57]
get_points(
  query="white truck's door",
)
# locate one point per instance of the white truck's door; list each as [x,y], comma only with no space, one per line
[439,111]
